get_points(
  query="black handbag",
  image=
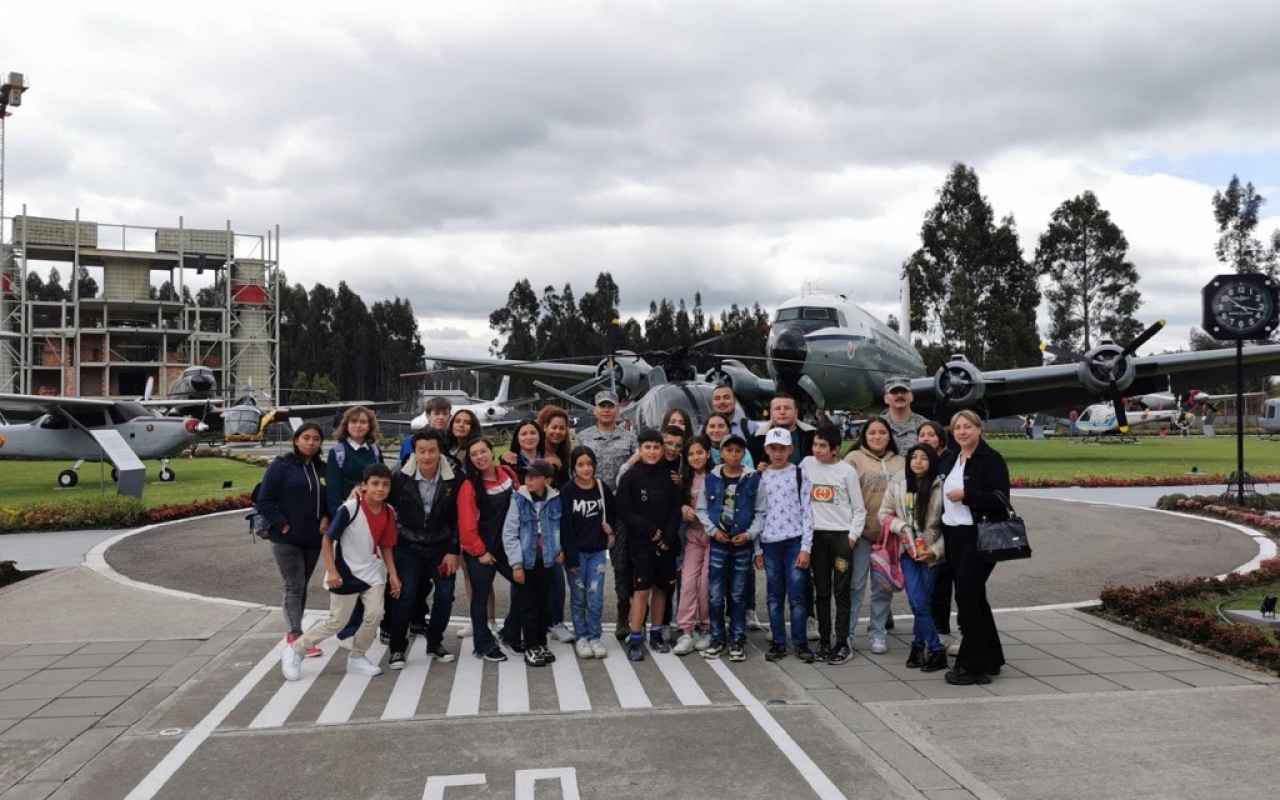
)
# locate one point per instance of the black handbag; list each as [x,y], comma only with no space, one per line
[1005,540]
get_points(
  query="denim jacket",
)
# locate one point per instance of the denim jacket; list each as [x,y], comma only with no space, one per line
[748,509]
[525,520]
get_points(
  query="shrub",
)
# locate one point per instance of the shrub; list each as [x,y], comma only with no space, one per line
[107,511]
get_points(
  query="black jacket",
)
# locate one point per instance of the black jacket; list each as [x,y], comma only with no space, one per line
[985,474]
[292,494]
[649,502]
[413,528]
[583,511]
[801,443]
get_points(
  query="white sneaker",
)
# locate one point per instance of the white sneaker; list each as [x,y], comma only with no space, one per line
[290,664]
[953,649]
[878,645]
[700,641]
[811,629]
[753,621]
[360,665]
[685,646]
[560,633]
[597,649]
[465,631]
[583,649]
[345,644]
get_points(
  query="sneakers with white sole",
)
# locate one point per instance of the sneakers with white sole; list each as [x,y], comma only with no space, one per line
[359,665]
[701,641]
[811,629]
[598,650]
[684,646]
[465,631]
[879,645]
[346,644]
[953,649]
[560,633]
[583,649]
[290,664]
[753,621]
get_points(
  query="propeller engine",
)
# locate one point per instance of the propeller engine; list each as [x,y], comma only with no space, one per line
[630,371]
[959,383]
[746,385]
[1106,369]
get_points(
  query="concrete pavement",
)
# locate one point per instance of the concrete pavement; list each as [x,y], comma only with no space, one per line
[112,691]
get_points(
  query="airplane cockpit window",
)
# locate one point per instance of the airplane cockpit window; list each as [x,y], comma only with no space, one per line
[1270,411]
[810,318]
[123,412]
[242,422]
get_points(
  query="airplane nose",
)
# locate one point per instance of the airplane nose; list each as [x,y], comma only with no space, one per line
[788,353]
[202,384]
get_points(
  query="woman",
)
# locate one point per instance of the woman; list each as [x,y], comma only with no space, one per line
[975,488]
[558,443]
[878,465]
[463,428]
[913,509]
[679,418]
[483,501]
[695,591]
[528,444]
[933,434]
[293,499]
[356,448]
[586,534]
[716,428]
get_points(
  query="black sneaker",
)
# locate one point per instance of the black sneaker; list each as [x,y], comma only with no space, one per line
[494,655]
[777,652]
[384,636]
[714,650]
[824,653]
[960,676]
[515,647]
[658,644]
[805,654]
[916,659]
[439,653]
[935,661]
[888,623]
[533,658]
[418,628]
[396,661]
[840,655]
[635,650]
[738,651]
[547,655]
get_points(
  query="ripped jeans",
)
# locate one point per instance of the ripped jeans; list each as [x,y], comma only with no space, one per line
[586,594]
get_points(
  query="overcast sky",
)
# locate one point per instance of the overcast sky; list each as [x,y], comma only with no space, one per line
[441,151]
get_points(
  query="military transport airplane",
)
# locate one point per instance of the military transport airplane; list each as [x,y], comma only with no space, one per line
[80,429]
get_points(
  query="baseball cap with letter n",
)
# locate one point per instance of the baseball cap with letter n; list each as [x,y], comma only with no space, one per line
[780,436]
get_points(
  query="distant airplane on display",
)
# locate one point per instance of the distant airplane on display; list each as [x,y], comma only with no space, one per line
[83,429]
[246,421]
[833,354]
[492,414]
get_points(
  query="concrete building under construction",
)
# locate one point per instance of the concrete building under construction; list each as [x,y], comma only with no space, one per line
[108,345]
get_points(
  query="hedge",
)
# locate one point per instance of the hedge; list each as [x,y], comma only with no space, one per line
[108,511]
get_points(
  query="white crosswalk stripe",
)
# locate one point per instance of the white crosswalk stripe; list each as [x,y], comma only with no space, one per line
[471,687]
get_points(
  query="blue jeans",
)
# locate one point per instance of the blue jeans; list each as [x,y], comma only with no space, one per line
[858,580]
[482,578]
[786,585]
[729,573]
[558,576]
[415,566]
[919,592]
[586,592]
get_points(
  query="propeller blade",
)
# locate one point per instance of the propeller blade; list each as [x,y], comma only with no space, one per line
[1122,420]
[1143,338]
[1060,353]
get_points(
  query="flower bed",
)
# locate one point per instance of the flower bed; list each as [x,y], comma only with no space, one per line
[1103,482]
[108,511]
[1176,609]
[1226,509]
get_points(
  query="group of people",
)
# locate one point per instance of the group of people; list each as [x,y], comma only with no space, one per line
[682,517]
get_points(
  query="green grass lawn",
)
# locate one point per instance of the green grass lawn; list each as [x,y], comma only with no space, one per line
[1150,457]
[26,482]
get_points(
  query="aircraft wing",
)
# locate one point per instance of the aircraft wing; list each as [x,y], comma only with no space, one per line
[321,409]
[1030,389]
[502,366]
[178,405]
[43,405]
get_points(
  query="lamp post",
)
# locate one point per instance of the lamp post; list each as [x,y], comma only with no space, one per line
[10,96]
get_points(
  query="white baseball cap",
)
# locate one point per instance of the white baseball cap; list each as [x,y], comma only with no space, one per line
[780,436]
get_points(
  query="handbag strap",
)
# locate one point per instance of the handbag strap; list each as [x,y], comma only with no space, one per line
[1007,506]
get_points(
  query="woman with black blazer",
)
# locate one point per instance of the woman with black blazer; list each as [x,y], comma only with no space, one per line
[975,488]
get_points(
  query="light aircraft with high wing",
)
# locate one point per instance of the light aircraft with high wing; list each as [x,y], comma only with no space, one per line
[491,413]
[831,353]
[84,429]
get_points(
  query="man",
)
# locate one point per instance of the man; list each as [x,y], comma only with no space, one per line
[425,497]
[438,411]
[724,401]
[902,420]
[613,446]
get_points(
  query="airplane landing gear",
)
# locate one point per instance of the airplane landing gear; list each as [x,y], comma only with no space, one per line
[166,475]
[115,475]
[68,478]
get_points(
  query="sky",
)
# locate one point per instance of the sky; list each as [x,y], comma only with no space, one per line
[443,151]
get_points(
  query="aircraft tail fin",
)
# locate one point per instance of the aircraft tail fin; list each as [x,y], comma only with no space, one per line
[503,390]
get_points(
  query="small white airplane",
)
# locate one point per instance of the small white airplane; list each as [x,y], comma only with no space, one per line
[83,429]
[1099,419]
[492,414]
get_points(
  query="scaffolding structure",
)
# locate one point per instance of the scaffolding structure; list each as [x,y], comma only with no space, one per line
[110,344]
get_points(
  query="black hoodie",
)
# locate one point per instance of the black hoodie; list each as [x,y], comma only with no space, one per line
[649,502]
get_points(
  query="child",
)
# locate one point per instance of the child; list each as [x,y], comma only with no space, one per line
[838,517]
[784,544]
[589,512]
[694,596]
[731,509]
[531,538]
[364,530]
[914,510]
[649,507]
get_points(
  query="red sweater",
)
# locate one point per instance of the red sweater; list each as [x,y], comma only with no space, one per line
[469,513]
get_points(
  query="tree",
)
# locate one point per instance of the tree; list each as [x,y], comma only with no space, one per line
[517,323]
[970,285]
[1236,212]
[86,286]
[52,287]
[1092,288]
[35,285]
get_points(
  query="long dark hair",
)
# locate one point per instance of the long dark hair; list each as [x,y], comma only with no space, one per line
[728,422]
[891,447]
[687,430]
[296,456]
[686,471]
[451,442]
[542,438]
[940,430]
[921,486]
[473,474]
[564,450]
[577,453]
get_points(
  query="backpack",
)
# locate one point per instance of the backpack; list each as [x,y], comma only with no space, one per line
[259,525]
[886,560]
[339,452]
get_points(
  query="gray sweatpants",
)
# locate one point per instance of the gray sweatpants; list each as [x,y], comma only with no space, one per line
[296,565]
